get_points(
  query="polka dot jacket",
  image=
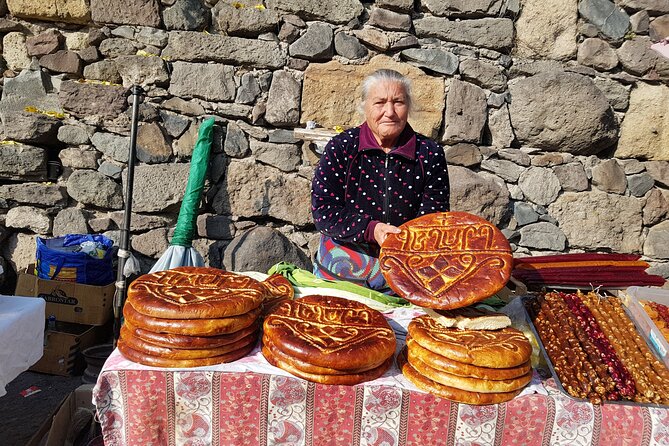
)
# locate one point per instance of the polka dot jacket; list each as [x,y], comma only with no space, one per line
[356,185]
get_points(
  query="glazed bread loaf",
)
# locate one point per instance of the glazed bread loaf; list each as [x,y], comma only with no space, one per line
[171,340]
[195,293]
[446,260]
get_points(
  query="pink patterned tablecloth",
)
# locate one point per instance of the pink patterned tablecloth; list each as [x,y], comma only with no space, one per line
[140,405]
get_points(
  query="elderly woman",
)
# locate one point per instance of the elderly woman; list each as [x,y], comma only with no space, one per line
[371,179]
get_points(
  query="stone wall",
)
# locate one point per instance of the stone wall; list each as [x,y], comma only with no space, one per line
[554,117]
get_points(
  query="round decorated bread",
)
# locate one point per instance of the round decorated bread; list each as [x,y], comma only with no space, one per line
[330,332]
[172,340]
[342,380]
[190,292]
[446,260]
[504,348]
[148,348]
[467,382]
[157,361]
[195,327]
[279,289]
[451,393]
[310,368]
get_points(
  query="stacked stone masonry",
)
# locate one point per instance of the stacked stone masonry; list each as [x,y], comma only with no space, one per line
[554,117]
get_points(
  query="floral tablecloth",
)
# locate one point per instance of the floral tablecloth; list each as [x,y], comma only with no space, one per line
[139,405]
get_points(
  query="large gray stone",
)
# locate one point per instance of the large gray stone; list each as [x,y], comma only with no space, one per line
[19,250]
[195,47]
[62,61]
[586,219]
[349,46]
[245,21]
[158,187]
[283,102]
[151,243]
[517,156]
[29,88]
[617,94]
[253,190]
[141,222]
[466,113]
[546,31]
[152,146]
[111,169]
[126,12]
[315,44]
[236,144]
[27,217]
[39,194]
[462,8]
[186,15]
[659,28]
[390,20]
[656,208]
[542,235]
[261,248]
[636,56]
[499,124]
[434,59]
[656,245]
[659,170]
[79,157]
[612,21]
[493,33]
[142,70]
[539,185]
[213,82]
[104,70]
[85,100]
[572,177]
[73,135]
[524,213]
[640,183]
[286,157]
[117,46]
[609,176]
[463,154]
[563,112]
[597,53]
[396,5]
[652,6]
[22,162]
[152,36]
[175,125]
[506,170]
[218,227]
[114,146]
[248,90]
[70,221]
[478,194]
[94,188]
[483,74]
[31,128]
[373,37]
[335,12]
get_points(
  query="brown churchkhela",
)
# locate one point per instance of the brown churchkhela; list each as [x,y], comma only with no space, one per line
[446,260]
[324,333]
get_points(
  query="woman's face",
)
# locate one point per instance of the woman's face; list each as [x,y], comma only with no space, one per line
[386,111]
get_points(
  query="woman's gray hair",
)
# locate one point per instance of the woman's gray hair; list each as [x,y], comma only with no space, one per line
[385,75]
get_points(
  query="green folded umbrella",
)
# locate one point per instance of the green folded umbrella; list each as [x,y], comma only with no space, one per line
[181,251]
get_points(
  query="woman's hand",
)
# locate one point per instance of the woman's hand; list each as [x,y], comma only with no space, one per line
[382,230]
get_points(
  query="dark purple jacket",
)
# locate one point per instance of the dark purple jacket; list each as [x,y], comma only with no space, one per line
[357,185]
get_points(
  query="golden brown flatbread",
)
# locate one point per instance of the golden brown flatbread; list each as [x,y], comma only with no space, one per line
[172,340]
[460,368]
[196,327]
[156,361]
[451,393]
[330,332]
[345,380]
[310,368]
[279,289]
[499,349]
[190,292]
[446,260]
[148,348]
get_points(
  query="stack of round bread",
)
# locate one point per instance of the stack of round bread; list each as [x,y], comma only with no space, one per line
[328,340]
[191,316]
[468,366]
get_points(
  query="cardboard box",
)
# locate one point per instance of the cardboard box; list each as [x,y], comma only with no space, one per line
[631,297]
[55,428]
[69,301]
[62,352]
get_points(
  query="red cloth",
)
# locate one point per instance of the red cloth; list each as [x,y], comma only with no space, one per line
[581,257]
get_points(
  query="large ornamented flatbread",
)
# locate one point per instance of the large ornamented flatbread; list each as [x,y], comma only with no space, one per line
[157,361]
[450,393]
[331,332]
[460,368]
[148,348]
[190,292]
[172,340]
[468,383]
[446,260]
[341,380]
[279,289]
[310,368]
[195,327]
[503,348]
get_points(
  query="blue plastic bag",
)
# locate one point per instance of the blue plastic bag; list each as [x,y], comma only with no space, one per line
[81,258]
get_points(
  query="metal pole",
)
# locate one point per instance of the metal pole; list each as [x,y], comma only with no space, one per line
[123,252]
